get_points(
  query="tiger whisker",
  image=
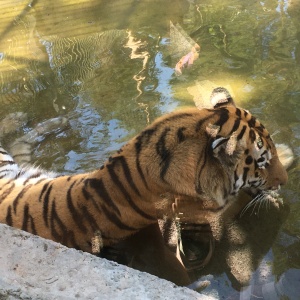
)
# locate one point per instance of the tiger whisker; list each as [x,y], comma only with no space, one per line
[245,208]
[265,204]
[252,206]
[259,206]
[274,133]
[253,202]
[268,204]
[257,203]
[264,198]
[248,206]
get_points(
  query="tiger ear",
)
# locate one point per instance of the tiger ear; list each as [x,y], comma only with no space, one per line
[221,97]
[227,145]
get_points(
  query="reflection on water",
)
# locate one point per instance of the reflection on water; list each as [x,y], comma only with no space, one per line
[108,66]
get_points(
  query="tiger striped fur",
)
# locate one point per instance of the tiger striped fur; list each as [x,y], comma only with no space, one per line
[205,154]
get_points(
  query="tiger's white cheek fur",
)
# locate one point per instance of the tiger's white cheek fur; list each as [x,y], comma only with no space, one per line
[238,184]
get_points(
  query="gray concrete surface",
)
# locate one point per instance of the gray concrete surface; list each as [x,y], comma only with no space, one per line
[35,268]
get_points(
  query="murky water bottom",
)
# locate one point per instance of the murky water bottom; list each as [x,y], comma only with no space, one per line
[112,67]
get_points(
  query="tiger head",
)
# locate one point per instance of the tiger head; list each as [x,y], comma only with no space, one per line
[207,154]
[243,149]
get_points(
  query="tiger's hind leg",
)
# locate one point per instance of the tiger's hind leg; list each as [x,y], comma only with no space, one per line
[11,123]
[8,167]
[21,148]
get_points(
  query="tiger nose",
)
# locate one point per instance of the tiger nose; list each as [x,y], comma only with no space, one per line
[284,178]
[279,180]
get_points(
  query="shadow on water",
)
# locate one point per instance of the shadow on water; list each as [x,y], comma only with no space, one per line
[108,67]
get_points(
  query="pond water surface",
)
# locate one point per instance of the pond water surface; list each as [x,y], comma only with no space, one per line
[109,66]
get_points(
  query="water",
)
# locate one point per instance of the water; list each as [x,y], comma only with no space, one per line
[109,66]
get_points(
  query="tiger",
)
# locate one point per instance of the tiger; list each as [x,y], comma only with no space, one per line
[212,153]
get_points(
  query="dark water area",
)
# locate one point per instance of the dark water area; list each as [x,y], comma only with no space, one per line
[110,67]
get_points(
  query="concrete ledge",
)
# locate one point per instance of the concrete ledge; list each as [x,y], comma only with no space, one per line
[35,268]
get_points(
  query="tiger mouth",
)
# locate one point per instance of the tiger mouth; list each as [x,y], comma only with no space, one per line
[272,195]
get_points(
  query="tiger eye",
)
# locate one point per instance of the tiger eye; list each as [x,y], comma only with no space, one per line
[259,143]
